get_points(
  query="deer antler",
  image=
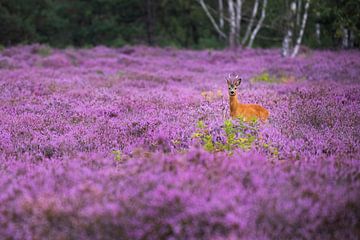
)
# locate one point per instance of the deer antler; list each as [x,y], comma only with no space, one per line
[228,78]
[231,77]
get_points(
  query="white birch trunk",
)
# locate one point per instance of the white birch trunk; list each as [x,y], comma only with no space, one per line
[318,29]
[232,32]
[259,24]
[288,37]
[251,23]
[303,24]
[318,33]
[286,45]
[345,37]
[221,14]
[238,20]
[205,8]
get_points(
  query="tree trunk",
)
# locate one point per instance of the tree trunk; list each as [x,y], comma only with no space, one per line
[208,14]
[345,37]
[303,24]
[288,36]
[251,23]
[318,29]
[286,45]
[259,24]
[232,32]
[221,14]
[238,20]
[318,33]
[292,20]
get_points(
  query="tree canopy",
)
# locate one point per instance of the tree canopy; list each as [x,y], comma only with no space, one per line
[179,23]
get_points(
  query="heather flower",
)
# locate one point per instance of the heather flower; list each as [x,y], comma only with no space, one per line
[64,113]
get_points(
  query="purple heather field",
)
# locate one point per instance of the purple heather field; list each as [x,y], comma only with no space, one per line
[104,143]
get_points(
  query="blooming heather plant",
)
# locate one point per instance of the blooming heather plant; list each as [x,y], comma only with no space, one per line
[97,144]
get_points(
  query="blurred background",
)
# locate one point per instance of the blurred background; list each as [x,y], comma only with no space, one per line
[193,24]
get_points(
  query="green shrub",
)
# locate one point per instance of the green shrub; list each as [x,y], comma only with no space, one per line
[232,136]
[279,77]
[119,42]
[209,43]
[117,155]
[265,77]
[44,50]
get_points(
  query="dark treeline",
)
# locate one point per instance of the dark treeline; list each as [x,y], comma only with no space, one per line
[179,23]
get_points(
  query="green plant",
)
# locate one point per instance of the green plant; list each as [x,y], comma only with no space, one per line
[241,135]
[117,155]
[204,136]
[265,77]
[44,51]
[232,136]
[119,42]
[271,150]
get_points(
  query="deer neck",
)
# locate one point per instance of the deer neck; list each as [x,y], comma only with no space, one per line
[234,103]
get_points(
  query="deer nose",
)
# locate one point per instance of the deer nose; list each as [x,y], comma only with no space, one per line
[232,92]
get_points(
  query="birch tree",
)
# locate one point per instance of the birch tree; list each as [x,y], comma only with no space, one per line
[287,40]
[238,20]
[318,28]
[302,29]
[344,37]
[251,22]
[212,20]
[221,14]
[259,24]
[232,33]
[234,18]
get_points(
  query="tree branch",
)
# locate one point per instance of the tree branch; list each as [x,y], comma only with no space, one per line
[303,24]
[259,24]
[251,22]
[203,5]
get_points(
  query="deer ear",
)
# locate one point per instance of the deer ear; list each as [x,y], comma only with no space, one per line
[228,81]
[238,81]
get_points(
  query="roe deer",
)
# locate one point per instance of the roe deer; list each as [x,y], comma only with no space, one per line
[245,111]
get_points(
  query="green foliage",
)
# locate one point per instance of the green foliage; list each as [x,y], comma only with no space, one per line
[209,43]
[178,23]
[235,136]
[117,155]
[280,77]
[265,77]
[202,133]
[118,42]
[271,150]
[44,50]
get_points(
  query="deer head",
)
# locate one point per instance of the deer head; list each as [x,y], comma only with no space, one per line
[233,82]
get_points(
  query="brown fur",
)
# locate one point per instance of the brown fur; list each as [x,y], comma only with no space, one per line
[247,111]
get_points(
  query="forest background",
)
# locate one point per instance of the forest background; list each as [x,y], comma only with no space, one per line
[177,23]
